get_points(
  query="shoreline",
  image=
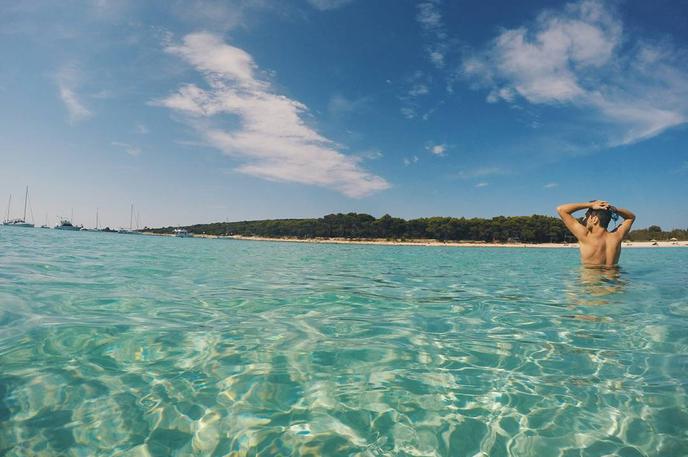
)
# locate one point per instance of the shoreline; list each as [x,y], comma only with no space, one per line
[435,243]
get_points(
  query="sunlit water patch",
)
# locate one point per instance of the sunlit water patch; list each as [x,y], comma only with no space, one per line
[120,345]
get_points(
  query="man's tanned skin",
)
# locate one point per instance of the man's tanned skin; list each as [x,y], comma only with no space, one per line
[598,246]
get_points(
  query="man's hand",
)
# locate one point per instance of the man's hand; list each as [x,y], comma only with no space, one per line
[600,204]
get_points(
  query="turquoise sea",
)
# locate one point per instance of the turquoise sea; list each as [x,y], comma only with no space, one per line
[123,345]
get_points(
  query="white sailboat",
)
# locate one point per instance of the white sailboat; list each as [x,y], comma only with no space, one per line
[96,229]
[17,222]
[130,230]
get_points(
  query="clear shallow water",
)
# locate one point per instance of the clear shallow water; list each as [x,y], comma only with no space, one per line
[133,346]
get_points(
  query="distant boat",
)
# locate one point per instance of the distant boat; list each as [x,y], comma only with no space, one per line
[96,229]
[130,230]
[182,233]
[17,222]
[66,224]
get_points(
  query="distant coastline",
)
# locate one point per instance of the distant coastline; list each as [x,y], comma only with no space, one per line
[424,242]
[436,243]
[500,231]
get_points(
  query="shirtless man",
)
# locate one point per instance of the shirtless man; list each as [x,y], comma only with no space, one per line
[598,247]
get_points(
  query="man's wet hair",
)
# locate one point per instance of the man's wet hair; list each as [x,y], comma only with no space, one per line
[604,216]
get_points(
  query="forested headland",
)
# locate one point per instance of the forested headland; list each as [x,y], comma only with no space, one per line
[519,229]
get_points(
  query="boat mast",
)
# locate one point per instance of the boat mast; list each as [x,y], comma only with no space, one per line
[96,218]
[26,197]
[131,217]
[9,204]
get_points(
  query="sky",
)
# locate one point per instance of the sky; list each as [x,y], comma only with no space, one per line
[198,111]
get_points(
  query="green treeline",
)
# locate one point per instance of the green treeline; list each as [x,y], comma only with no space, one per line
[526,229]
[655,232]
[530,229]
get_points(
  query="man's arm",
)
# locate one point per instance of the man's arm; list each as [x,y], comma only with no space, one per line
[625,226]
[571,222]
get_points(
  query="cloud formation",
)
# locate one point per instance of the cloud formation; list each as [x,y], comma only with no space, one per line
[481,172]
[340,105]
[324,5]
[67,78]
[266,130]
[580,56]
[418,88]
[128,148]
[437,149]
[410,160]
[430,19]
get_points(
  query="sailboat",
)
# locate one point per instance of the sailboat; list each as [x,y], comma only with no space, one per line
[96,229]
[17,222]
[131,230]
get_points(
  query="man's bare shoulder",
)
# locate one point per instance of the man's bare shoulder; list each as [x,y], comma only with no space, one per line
[614,236]
[584,238]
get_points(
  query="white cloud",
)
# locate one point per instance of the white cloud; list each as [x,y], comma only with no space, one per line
[430,19]
[67,80]
[339,104]
[682,169]
[410,160]
[438,149]
[429,16]
[432,110]
[130,149]
[437,58]
[142,129]
[268,132]
[324,5]
[371,154]
[418,89]
[481,172]
[551,185]
[579,56]
[408,112]
[418,86]
[482,184]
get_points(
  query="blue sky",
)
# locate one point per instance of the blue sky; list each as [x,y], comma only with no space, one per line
[198,111]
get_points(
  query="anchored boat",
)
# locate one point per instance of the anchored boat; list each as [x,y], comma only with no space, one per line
[66,224]
[182,233]
[17,222]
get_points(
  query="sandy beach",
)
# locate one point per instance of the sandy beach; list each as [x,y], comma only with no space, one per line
[463,244]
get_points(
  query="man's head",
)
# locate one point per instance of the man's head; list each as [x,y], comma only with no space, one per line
[597,217]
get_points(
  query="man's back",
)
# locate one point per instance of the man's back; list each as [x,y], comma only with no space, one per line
[598,246]
[601,249]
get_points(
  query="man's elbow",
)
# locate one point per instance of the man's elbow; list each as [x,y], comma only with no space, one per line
[560,209]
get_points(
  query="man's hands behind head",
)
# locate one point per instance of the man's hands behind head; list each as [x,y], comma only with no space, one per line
[600,204]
